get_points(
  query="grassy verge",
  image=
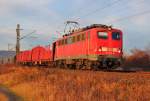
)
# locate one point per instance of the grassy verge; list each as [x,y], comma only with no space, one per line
[43,84]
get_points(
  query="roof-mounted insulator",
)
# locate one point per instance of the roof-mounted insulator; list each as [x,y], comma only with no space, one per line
[99,26]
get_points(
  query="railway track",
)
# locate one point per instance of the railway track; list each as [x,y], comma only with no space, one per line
[121,70]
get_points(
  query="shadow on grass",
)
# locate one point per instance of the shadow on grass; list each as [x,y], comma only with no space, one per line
[9,94]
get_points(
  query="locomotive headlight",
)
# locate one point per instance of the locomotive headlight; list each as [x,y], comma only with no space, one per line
[119,50]
[104,49]
[115,49]
[99,49]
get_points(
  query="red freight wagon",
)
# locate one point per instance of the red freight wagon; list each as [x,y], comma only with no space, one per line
[20,57]
[35,54]
[95,45]
[45,54]
[25,56]
[41,55]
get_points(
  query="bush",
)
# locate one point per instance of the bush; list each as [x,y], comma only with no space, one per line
[138,59]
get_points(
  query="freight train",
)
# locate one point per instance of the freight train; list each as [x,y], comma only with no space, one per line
[93,47]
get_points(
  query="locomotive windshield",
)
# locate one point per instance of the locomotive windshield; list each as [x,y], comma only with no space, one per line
[102,35]
[116,36]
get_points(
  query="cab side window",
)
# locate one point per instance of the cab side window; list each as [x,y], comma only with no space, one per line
[102,35]
[83,36]
[78,37]
[116,36]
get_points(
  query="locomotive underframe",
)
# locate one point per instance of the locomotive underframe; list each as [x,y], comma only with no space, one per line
[89,62]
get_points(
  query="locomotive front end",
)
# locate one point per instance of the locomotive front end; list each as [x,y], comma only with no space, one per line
[109,48]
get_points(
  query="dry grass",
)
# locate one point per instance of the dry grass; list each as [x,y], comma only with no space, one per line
[35,84]
[3,97]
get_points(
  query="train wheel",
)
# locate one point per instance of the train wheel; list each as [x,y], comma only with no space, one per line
[95,67]
[88,65]
[78,65]
[71,66]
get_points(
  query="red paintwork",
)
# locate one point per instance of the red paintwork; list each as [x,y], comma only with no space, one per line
[35,54]
[26,56]
[106,43]
[89,46]
[40,53]
[18,57]
[45,54]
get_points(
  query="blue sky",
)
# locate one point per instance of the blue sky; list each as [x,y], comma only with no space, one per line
[48,16]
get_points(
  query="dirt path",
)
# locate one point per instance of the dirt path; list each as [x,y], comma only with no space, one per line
[10,95]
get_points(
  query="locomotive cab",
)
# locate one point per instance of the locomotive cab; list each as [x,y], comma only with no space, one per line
[109,47]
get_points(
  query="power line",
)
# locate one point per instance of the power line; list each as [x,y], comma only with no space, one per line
[102,8]
[80,9]
[131,16]
[124,8]
[120,19]
[28,35]
[99,9]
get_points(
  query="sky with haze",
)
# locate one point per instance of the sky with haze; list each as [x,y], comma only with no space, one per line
[47,17]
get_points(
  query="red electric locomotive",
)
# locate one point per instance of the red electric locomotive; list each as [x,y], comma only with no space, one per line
[93,47]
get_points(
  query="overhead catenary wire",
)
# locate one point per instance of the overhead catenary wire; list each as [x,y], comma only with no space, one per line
[94,11]
[102,8]
[125,9]
[119,19]
[131,16]
[28,35]
[80,9]
[99,9]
